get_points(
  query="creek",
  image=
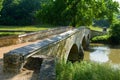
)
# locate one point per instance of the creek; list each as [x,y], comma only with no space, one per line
[103,54]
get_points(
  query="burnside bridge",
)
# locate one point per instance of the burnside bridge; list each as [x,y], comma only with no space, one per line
[67,46]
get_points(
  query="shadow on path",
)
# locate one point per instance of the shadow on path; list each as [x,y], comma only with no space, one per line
[26,74]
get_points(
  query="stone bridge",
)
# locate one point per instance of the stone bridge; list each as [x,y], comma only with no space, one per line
[67,46]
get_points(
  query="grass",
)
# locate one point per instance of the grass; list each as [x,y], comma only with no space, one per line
[100,39]
[28,28]
[95,28]
[86,71]
[10,33]
[25,28]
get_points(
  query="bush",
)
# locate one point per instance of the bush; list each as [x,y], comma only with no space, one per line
[100,39]
[115,33]
[112,38]
[19,12]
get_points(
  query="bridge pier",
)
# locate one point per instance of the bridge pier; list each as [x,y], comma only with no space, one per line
[47,70]
[13,63]
[81,53]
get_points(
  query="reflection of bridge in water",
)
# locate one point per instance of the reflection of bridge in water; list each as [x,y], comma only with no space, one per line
[68,45]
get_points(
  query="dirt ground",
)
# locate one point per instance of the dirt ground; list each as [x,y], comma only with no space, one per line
[24,75]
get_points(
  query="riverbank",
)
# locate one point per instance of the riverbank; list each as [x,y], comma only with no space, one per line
[101,62]
[86,71]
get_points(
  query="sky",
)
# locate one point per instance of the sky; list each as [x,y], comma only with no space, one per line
[118,1]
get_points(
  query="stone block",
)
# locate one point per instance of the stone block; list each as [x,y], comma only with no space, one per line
[13,62]
[47,71]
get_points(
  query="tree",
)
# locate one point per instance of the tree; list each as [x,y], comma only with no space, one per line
[51,12]
[75,12]
[72,8]
[19,12]
[112,7]
[115,33]
[58,12]
[1,4]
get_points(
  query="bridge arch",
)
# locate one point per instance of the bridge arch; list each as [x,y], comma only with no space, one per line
[75,54]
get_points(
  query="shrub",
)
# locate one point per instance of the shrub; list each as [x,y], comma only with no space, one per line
[100,39]
[115,33]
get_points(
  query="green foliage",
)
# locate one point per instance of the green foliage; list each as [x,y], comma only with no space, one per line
[100,39]
[3,34]
[56,12]
[1,4]
[101,23]
[108,12]
[51,12]
[86,71]
[19,12]
[96,28]
[111,8]
[115,33]
[76,12]
[65,12]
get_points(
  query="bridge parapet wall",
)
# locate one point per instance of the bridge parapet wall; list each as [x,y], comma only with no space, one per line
[11,40]
[42,34]
[15,59]
[97,33]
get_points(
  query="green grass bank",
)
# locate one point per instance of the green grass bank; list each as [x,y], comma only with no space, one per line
[24,28]
[86,71]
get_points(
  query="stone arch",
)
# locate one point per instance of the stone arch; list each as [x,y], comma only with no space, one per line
[74,54]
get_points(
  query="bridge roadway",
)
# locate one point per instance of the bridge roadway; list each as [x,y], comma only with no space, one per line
[67,46]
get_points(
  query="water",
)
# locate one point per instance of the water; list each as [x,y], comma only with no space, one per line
[103,54]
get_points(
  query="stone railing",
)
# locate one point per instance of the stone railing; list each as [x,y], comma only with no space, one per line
[46,50]
[97,33]
[11,40]
[41,34]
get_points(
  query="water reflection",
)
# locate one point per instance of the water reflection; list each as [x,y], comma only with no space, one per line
[102,53]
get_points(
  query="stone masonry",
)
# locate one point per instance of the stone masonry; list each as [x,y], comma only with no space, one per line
[65,46]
